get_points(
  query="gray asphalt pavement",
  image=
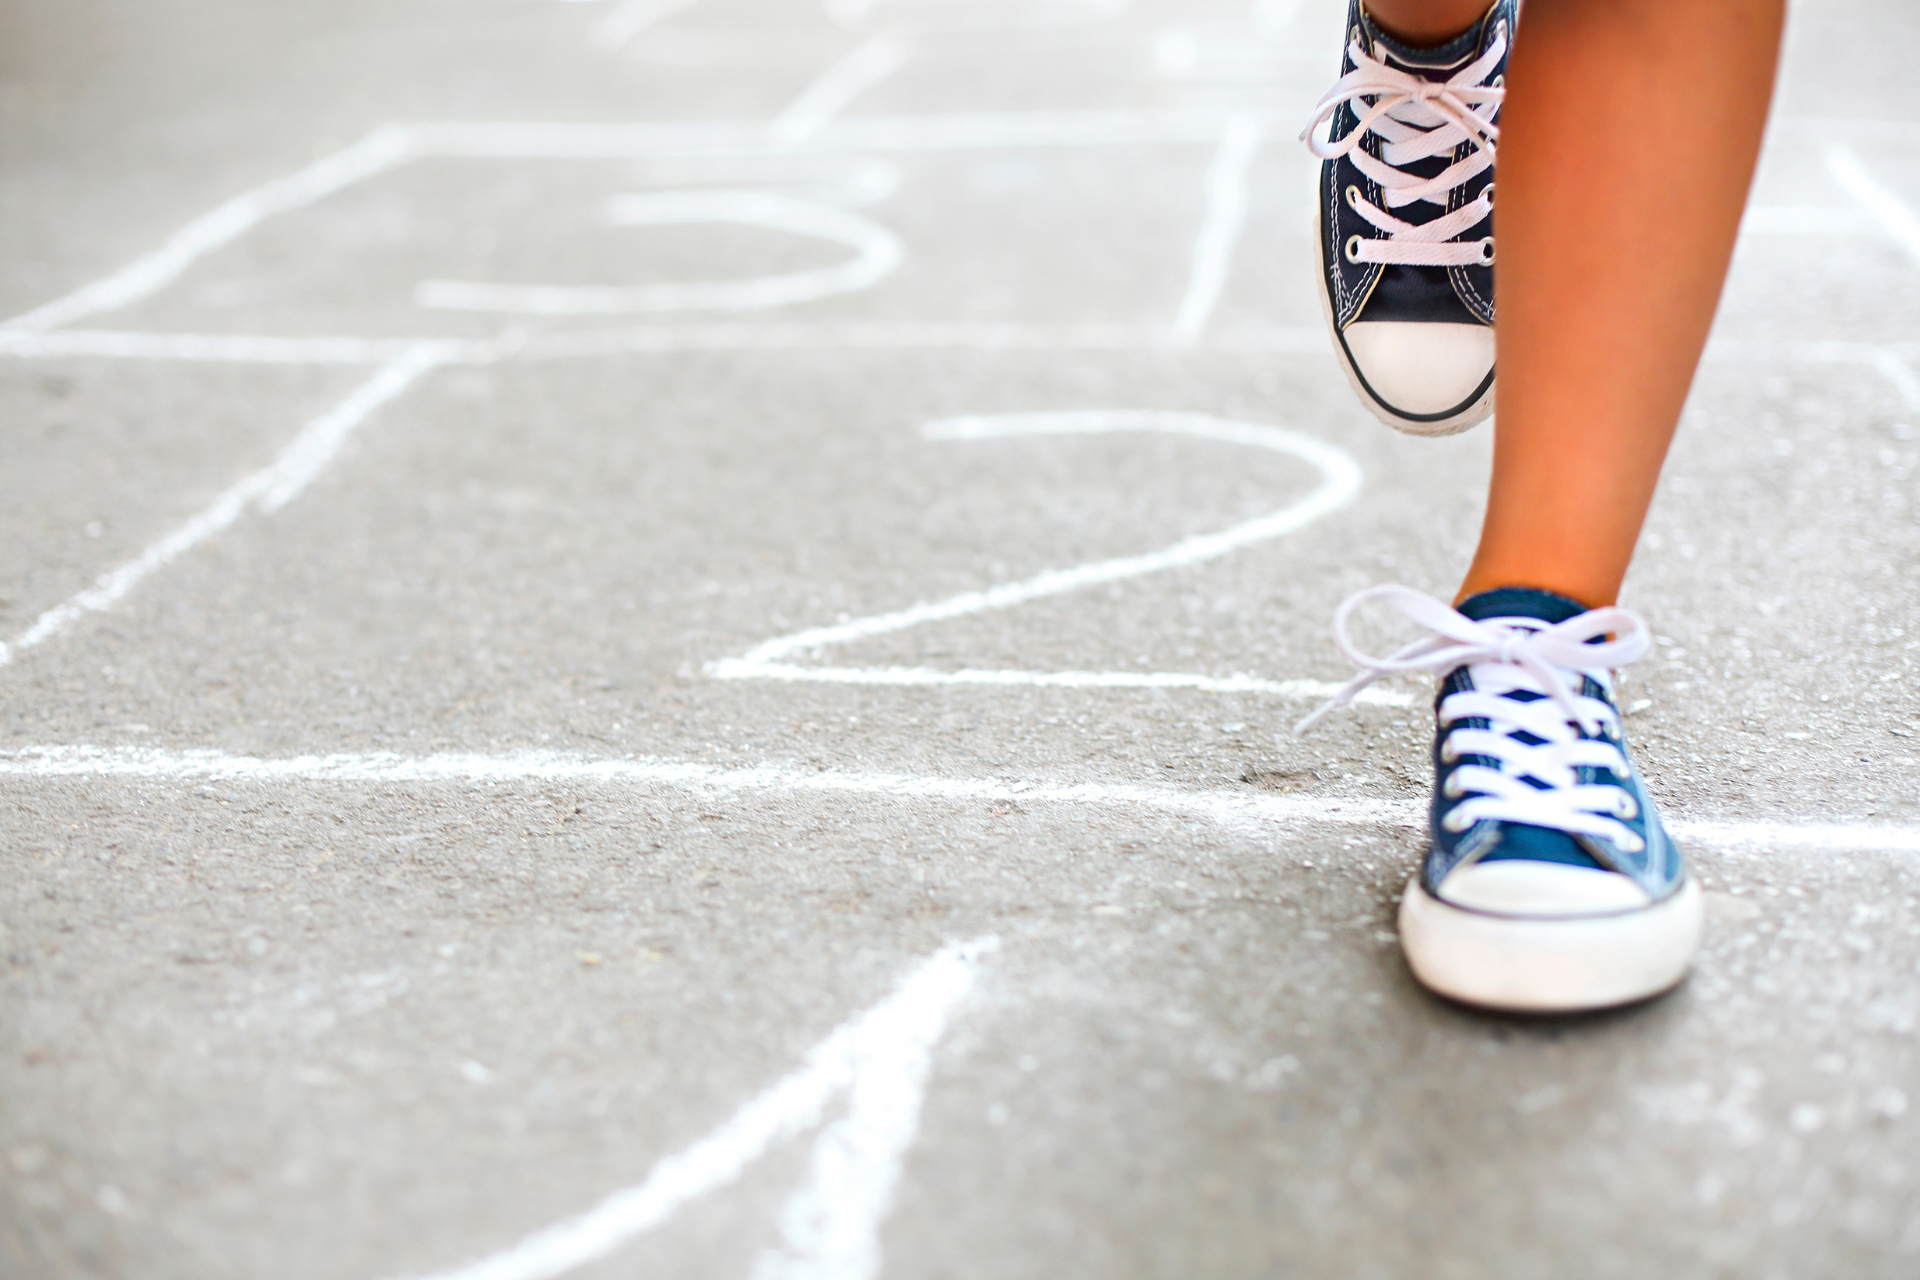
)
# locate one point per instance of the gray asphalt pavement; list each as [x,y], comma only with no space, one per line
[478,799]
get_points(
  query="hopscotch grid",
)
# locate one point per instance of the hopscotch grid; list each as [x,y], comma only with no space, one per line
[916,1014]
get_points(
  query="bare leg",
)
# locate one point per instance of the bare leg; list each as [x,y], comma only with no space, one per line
[1425,22]
[1627,144]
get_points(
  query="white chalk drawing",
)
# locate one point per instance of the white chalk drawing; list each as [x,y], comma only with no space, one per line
[838,86]
[1220,227]
[1339,483]
[785,192]
[393,146]
[1259,815]
[877,251]
[377,153]
[861,1090]
[629,18]
[943,16]
[267,490]
[830,1226]
[1893,214]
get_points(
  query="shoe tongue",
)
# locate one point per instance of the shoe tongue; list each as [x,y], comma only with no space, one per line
[1429,61]
[1528,602]
[1520,602]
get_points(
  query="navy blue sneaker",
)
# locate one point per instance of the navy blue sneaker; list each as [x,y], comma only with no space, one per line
[1551,884]
[1404,219]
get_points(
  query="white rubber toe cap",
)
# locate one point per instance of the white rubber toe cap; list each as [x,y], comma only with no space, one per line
[1541,890]
[1417,368]
[1538,941]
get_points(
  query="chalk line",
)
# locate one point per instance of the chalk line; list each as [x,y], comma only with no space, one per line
[1897,370]
[1340,481]
[892,335]
[838,85]
[1220,227]
[1253,812]
[906,335]
[269,488]
[1271,18]
[381,150]
[1887,361]
[986,130]
[1006,16]
[631,17]
[1890,359]
[877,252]
[1895,218]
[235,348]
[881,1059]
[1303,690]
[1018,130]
[830,1225]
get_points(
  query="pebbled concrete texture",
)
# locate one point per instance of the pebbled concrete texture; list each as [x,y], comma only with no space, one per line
[317,1023]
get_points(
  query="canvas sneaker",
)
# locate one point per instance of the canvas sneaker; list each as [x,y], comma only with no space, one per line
[1551,884]
[1404,219]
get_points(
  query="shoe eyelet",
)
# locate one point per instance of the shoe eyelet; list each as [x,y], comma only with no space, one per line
[1353,248]
[1499,81]
[1486,195]
[1633,844]
[1449,752]
[1451,788]
[1456,821]
[1486,252]
[1353,196]
[1626,806]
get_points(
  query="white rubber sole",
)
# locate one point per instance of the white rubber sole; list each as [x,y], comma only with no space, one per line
[1535,965]
[1452,424]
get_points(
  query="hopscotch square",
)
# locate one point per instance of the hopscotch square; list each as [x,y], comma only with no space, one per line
[356,262]
[367,241]
[478,567]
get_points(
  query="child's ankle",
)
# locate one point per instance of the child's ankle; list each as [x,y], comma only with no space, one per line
[1423,24]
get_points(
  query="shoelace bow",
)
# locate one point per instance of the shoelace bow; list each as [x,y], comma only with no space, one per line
[1573,730]
[1416,119]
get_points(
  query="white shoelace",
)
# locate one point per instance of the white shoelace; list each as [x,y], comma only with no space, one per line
[1506,656]
[1416,119]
